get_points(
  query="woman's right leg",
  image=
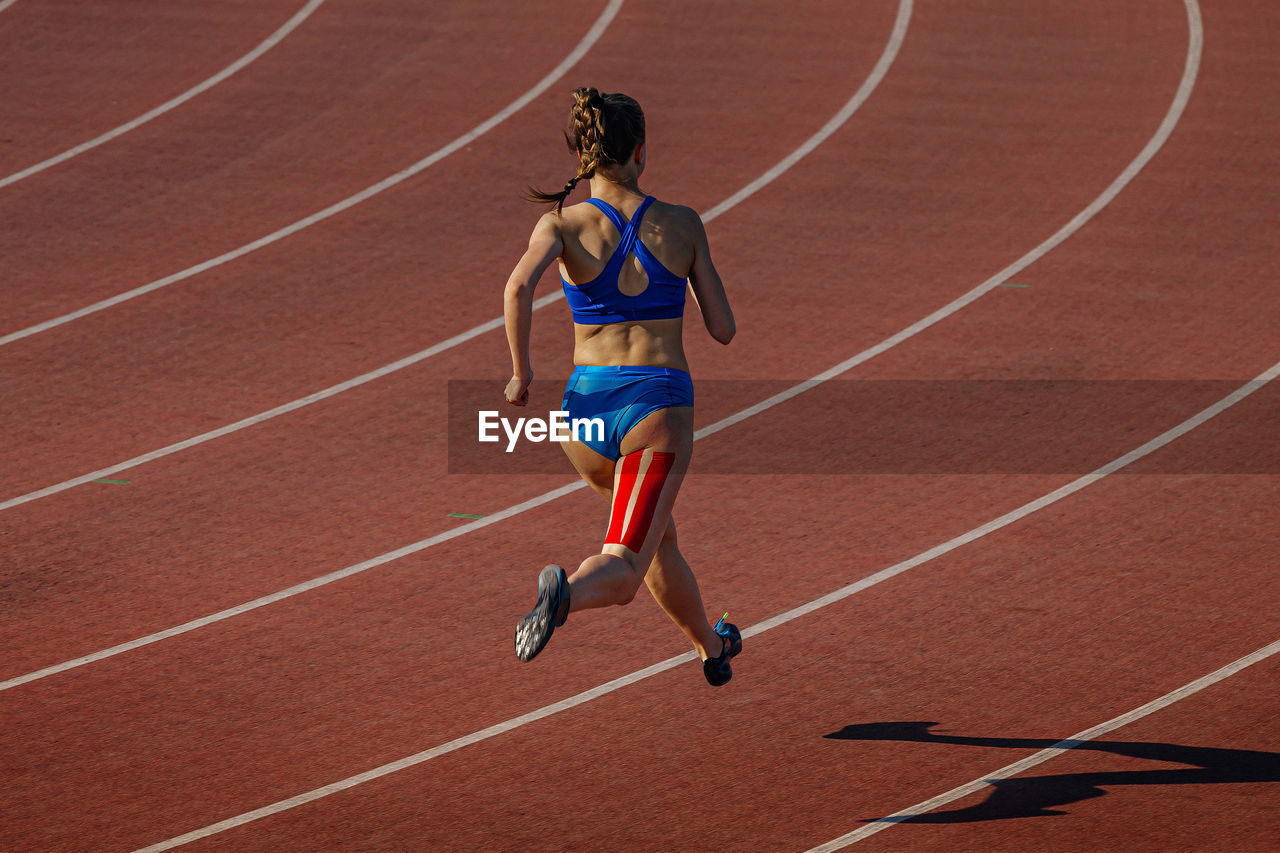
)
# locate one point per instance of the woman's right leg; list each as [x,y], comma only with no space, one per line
[646,482]
[658,448]
[602,579]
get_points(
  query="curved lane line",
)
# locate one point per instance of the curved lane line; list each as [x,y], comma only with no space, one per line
[593,35]
[271,41]
[1057,749]
[1184,90]
[877,74]
[781,619]
[1191,68]
[1149,447]
[850,107]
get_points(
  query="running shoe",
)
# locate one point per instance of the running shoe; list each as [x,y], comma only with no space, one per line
[535,628]
[717,670]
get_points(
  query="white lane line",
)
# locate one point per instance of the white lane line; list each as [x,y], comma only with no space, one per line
[5,4]
[899,33]
[443,749]
[859,97]
[781,619]
[261,417]
[1181,97]
[1050,752]
[795,613]
[593,35]
[1191,68]
[297,589]
[777,399]
[835,123]
[886,59]
[271,41]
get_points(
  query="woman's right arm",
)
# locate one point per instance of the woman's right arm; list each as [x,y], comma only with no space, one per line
[545,245]
[708,290]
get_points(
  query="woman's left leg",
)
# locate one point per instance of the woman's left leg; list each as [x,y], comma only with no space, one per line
[670,580]
[673,586]
[655,456]
[614,575]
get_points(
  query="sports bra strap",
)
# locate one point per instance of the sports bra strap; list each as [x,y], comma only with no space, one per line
[599,301]
[610,211]
[629,230]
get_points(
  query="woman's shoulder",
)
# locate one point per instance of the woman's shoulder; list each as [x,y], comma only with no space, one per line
[679,217]
[665,215]
[575,215]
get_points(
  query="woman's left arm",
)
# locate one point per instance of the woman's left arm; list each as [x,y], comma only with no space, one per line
[545,245]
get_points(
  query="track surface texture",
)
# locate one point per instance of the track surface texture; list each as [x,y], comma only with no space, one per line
[1007,572]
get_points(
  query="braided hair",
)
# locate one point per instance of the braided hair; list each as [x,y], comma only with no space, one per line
[604,129]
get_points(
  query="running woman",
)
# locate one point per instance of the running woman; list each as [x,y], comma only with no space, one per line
[625,260]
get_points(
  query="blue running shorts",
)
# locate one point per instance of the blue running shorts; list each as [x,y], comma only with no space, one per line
[622,396]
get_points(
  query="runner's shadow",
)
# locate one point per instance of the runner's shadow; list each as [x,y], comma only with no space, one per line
[1034,796]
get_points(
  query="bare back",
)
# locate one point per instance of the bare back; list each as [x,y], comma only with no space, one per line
[672,234]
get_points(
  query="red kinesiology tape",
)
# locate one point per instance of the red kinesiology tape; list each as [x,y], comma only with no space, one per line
[635,497]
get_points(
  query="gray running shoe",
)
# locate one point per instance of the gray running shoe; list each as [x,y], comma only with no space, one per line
[536,627]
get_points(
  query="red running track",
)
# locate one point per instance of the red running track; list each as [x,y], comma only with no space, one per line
[994,126]
[73,71]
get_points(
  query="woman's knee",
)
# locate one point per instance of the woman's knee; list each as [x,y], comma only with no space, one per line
[636,580]
[628,595]
[629,581]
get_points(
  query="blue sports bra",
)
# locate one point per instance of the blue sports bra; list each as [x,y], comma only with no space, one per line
[599,300]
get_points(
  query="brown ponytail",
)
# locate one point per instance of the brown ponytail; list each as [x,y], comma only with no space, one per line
[604,130]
